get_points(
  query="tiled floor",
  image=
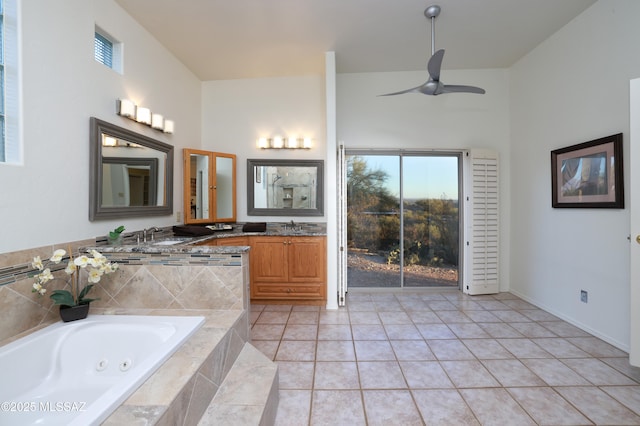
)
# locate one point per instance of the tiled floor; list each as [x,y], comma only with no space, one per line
[441,357]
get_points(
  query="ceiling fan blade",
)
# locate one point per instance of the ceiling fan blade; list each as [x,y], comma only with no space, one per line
[434,65]
[456,88]
[414,89]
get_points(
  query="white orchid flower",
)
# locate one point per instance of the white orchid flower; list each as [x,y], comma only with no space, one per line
[71,268]
[96,254]
[37,263]
[95,275]
[44,276]
[57,256]
[39,289]
[81,261]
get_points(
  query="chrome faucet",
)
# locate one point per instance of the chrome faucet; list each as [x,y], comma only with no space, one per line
[150,231]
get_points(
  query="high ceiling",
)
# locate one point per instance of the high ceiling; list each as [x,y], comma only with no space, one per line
[232,39]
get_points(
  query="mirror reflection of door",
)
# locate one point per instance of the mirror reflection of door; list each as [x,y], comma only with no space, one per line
[129,182]
[199,179]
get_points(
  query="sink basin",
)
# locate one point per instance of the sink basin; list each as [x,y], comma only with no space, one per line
[169,242]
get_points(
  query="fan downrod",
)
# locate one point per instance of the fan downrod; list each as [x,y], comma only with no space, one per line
[432,11]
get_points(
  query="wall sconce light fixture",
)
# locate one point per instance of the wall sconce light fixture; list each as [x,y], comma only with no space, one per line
[278,142]
[126,108]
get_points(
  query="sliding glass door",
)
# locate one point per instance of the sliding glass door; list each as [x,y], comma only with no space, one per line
[403,219]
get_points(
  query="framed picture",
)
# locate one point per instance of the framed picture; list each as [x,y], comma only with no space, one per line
[588,175]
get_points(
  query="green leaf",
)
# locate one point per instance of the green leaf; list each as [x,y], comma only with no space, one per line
[62,297]
[116,232]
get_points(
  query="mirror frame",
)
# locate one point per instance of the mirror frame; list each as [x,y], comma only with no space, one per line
[251,178]
[96,210]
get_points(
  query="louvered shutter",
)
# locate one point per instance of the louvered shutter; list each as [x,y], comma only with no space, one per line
[480,275]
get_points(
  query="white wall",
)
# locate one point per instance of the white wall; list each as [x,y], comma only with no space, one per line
[573,88]
[45,200]
[414,121]
[235,113]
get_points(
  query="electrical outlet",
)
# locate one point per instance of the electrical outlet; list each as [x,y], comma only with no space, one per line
[178,215]
[584,296]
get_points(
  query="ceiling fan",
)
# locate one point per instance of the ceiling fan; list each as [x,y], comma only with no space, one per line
[434,86]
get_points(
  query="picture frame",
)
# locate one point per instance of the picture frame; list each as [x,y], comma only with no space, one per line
[588,175]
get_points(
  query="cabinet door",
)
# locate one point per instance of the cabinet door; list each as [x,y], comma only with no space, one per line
[209,186]
[268,259]
[232,241]
[306,259]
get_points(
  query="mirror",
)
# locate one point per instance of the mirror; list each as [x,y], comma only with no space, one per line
[285,187]
[131,175]
[209,186]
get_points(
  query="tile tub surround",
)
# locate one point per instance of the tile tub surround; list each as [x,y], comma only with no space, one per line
[182,277]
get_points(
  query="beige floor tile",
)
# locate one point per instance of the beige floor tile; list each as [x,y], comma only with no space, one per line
[495,407]
[294,407]
[435,331]
[510,316]
[336,375]
[554,372]
[563,329]
[547,407]
[374,350]
[278,308]
[524,348]
[402,332]
[443,407]
[334,332]
[425,375]
[512,372]
[487,349]
[295,350]
[381,375]
[598,348]
[273,317]
[599,407]
[300,332]
[296,374]
[629,396]
[482,316]
[334,317]
[449,350]
[452,317]
[412,350]
[623,366]
[394,317]
[303,317]
[539,315]
[597,372]
[267,347]
[368,332]
[361,306]
[364,317]
[532,329]
[267,331]
[560,348]
[500,330]
[424,317]
[305,308]
[469,374]
[468,331]
[335,350]
[332,407]
[387,407]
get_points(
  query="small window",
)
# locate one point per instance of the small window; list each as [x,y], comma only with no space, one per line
[107,50]
[10,144]
[103,50]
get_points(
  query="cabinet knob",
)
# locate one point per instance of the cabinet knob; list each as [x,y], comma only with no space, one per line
[638,239]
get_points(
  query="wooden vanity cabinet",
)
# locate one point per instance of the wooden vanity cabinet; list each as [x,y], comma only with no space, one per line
[232,241]
[285,268]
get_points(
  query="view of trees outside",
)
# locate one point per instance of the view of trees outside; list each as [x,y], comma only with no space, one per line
[430,220]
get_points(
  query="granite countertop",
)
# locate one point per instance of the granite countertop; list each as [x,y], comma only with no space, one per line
[167,242]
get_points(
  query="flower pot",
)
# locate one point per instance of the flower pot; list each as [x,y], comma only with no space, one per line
[73,313]
[117,241]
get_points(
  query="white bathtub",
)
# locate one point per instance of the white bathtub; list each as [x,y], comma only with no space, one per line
[77,373]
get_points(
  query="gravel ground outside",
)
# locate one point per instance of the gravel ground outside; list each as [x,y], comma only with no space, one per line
[370,270]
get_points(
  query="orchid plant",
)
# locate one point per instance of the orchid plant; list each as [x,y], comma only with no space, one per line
[96,264]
